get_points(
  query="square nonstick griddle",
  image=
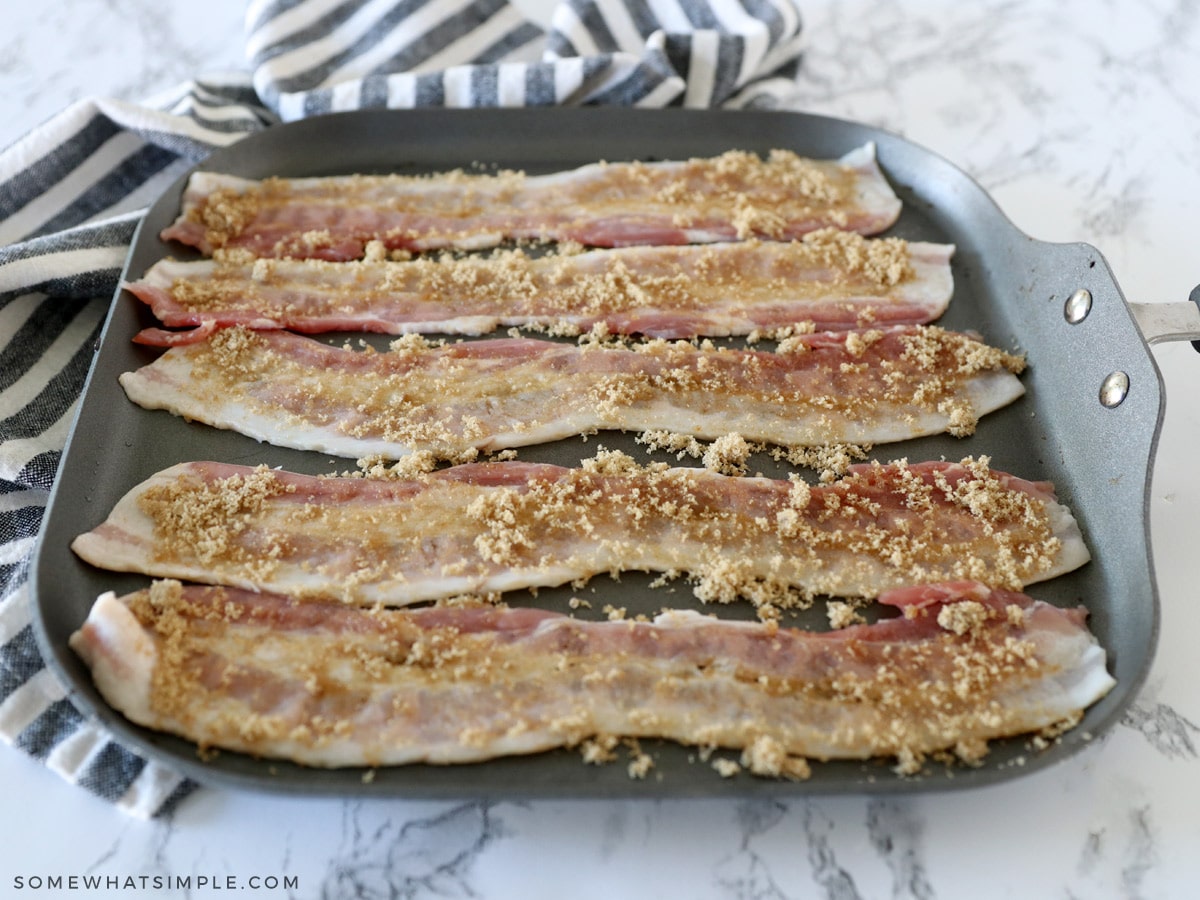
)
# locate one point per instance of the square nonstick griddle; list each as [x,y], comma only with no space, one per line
[1008,287]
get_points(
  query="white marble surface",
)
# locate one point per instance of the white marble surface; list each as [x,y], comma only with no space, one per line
[1083,119]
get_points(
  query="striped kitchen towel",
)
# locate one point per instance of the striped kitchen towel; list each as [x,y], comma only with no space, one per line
[73,191]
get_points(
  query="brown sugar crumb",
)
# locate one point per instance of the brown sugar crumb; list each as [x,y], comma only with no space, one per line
[504,538]
[971,751]
[225,213]
[964,617]
[413,344]
[728,454]
[882,261]
[842,614]
[726,768]
[858,342]
[614,462]
[680,444]
[908,762]
[640,762]
[750,220]
[831,461]
[766,756]
[233,349]
[599,750]
[799,494]
[308,243]
[406,467]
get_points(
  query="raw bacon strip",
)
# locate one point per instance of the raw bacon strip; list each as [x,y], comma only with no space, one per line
[835,280]
[733,196]
[327,685]
[489,527]
[457,399]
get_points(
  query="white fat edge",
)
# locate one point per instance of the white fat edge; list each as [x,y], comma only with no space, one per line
[123,664]
[1074,552]
[126,550]
[566,177]
[705,236]
[205,183]
[663,414]
[467,325]
[1076,673]
[546,576]
[690,618]
[930,253]
[986,392]
[450,750]
[1088,680]
[931,287]
[234,414]
[165,272]
[873,190]
[405,591]
[483,240]
[990,391]
[230,413]
[860,158]
[579,423]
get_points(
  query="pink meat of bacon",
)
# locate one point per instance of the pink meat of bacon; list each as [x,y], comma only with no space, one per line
[831,279]
[732,196]
[327,685]
[454,400]
[491,527]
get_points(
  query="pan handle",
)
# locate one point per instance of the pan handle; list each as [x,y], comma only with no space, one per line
[1162,322]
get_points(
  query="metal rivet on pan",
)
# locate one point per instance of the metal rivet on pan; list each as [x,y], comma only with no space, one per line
[1079,304]
[1114,389]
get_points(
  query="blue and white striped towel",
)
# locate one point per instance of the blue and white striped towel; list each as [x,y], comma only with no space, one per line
[72,193]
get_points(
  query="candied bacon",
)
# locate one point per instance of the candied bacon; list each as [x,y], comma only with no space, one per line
[729,197]
[455,400]
[828,280]
[324,684]
[491,527]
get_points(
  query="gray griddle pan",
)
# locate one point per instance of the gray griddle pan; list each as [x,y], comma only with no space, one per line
[1009,287]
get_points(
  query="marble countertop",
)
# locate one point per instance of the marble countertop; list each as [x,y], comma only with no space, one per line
[1082,119]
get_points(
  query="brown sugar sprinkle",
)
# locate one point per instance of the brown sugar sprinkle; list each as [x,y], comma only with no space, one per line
[554,283]
[726,768]
[225,214]
[842,614]
[205,518]
[766,756]
[756,189]
[312,688]
[1014,520]
[963,617]
[957,696]
[831,461]
[795,542]
[881,261]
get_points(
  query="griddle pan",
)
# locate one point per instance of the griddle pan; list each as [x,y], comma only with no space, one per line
[1074,427]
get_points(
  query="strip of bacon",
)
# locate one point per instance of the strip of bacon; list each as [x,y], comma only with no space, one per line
[733,196]
[327,685]
[453,400]
[490,527]
[833,279]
